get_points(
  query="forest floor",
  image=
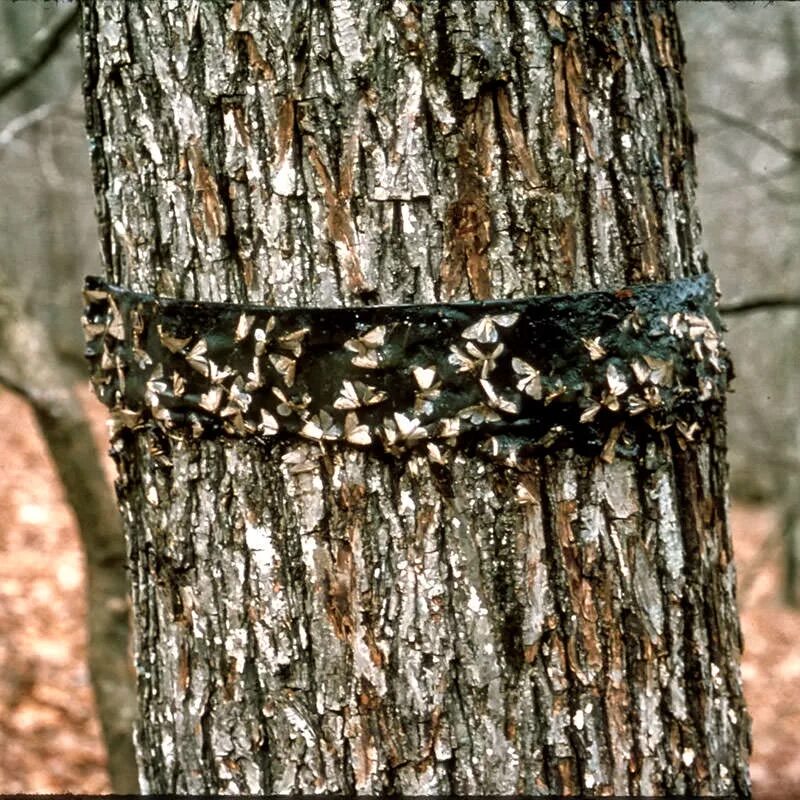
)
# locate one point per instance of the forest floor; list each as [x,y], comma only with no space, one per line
[49,734]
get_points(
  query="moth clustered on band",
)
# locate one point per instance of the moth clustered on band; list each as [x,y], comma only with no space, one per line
[264,377]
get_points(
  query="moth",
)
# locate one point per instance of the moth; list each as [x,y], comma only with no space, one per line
[268,425]
[366,348]
[530,379]
[479,414]
[321,426]
[355,394]
[293,342]
[475,359]
[211,399]
[243,327]
[173,343]
[496,401]
[287,406]
[285,367]
[596,350]
[355,432]
[428,390]
[403,429]
[196,357]
[485,329]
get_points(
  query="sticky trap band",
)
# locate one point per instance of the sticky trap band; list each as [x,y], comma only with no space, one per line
[578,368]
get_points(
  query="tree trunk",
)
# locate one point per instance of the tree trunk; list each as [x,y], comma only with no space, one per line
[324,620]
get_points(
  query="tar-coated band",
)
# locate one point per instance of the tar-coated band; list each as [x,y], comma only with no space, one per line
[577,368]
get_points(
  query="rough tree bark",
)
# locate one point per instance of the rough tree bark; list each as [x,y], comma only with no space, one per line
[325,620]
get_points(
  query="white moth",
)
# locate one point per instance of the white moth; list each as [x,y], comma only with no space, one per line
[297,461]
[172,343]
[479,414]
[355,394]
[320,426]
[596,350]
[178,384]
[286,367]
[448,428]
[286,407]
[217,375]
[254,377]
[617,384]
[591,412]
[196,357]
[424,376]
[116,327]
[636,405]
[485,329]
[293,342]
[661,372]
[641,371]
[354,432]
[243,326]
[530,380]
[496,401]
[211,399]
[268,425]
[403,428]
[365,347]
[435,454]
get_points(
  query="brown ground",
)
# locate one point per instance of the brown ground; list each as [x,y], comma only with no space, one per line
[49,736]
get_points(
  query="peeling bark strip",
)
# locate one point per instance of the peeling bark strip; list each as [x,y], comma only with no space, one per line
[581,367]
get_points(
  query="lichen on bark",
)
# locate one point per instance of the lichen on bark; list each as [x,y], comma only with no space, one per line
[321,619]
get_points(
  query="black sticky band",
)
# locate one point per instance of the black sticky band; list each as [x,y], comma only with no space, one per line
[579,368]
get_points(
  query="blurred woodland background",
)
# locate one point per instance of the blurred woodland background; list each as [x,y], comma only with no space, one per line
[743,81]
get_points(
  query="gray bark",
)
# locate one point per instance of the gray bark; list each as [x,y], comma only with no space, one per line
[30,367]
[790,483]
[317,619]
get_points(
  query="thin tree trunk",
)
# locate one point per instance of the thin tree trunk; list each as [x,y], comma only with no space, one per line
[317,619]
[790,480]
[30,367]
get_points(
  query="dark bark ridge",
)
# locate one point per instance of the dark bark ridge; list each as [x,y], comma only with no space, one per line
[574,367]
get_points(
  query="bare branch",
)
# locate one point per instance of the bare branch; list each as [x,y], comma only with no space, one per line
[24,121]
[43,46]
[746,177]
[748,127]
[760,304]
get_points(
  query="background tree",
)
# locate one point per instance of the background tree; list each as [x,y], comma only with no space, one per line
[44,255]
[749,146]
[327,620]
